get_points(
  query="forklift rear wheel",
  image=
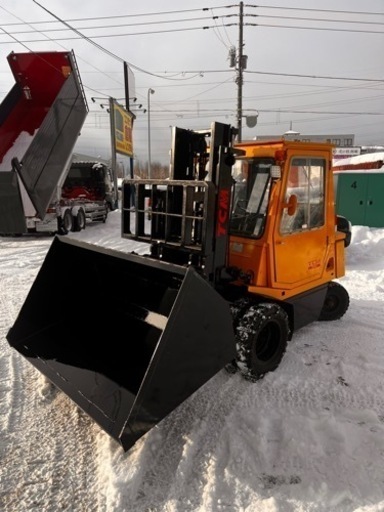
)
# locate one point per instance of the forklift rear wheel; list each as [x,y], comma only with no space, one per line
[261,339]
[336,302]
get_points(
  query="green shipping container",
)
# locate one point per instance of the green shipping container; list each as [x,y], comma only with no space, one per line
[360,197]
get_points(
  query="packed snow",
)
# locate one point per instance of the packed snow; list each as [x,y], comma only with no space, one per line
[309,437]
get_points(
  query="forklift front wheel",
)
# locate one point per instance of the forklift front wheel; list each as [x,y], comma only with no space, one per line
[261,340]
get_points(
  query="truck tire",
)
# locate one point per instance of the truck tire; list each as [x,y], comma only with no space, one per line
[79,220]
[66,223]
[262,336]
[336,302]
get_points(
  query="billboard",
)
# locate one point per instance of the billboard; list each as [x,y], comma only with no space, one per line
[122,121]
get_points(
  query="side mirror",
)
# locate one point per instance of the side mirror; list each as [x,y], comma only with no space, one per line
[291,205]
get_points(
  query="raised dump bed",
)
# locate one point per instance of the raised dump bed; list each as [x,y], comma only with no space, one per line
[40,120]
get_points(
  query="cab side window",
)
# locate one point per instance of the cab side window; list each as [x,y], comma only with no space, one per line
[306,182]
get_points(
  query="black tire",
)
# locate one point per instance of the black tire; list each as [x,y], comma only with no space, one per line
[336,302]
[79,221]
[262,335]
[66,223]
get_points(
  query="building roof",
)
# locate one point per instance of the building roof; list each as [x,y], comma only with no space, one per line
[365,161]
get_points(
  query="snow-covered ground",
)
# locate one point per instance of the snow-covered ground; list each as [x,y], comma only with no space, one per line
[308,437]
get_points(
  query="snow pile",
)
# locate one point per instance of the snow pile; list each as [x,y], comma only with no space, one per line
[308,437]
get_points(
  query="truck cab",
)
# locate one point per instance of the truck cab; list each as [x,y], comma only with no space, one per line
[90,179]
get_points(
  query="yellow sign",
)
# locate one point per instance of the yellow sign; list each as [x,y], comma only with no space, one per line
[123,130]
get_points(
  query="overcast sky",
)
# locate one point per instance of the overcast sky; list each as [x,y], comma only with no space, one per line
[324,77]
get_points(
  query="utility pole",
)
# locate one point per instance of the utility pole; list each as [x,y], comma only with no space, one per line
[127,106]
[238,61]
[113,148]
[150,91]
[239,76]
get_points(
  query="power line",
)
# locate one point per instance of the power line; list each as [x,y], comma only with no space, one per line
[200,73]
[215,18]
[117,16]
[99,27]
[317,10]
[49,39]
[101,48]
[296,75]
[188,29]
[153,32]
[315,76]
[296,18]
[204,9]
[283,111]
[315,28]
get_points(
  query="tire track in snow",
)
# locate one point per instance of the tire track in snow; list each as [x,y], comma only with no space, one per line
[11,254]
[183,445]
[41,432]
[12,366]
[189,456]
[18,395]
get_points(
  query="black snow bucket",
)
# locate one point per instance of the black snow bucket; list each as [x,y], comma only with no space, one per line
[126,337]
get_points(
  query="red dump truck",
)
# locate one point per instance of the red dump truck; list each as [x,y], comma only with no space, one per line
[86,195]
[40,121]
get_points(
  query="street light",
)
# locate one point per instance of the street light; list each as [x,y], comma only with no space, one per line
[150,91]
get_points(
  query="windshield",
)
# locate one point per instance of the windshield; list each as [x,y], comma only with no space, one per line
[250,190]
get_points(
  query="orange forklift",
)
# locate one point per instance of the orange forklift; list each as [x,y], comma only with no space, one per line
[244,248]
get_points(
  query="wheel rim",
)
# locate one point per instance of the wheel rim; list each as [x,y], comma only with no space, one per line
[331,303]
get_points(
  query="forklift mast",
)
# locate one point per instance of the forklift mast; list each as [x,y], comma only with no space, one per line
[187,221]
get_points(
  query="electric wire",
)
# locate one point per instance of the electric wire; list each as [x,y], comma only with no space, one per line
[251,72]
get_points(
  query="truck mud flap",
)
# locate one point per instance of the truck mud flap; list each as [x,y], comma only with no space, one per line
[126,337]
